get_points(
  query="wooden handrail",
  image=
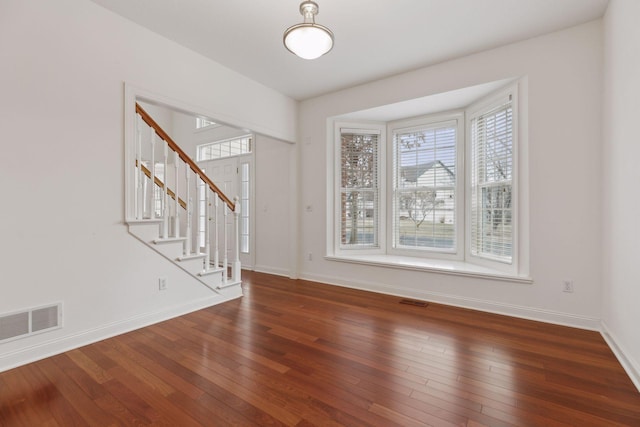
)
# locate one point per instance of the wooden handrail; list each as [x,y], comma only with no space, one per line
[175,147]
[160,184]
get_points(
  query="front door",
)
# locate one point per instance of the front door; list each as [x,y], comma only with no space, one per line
[231,175]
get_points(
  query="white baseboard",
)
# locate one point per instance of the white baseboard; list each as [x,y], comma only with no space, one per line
[547,316]
[272,270]
[631,366]
[43,350]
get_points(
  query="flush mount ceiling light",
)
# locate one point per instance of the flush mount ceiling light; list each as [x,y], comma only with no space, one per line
[308,40]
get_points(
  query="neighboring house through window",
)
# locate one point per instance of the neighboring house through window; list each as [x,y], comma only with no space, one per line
[425,185]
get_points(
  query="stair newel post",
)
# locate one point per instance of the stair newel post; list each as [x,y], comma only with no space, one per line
[152,186]
[236,237]
[176,217]
[207,227]
[225,261]
[216,246]
[187,243]
[165,194]
[139,204]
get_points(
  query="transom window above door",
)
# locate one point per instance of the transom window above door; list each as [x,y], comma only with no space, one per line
[225,148]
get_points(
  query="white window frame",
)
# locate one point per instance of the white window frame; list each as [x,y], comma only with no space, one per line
[199,147]
[462,263]
[245,227]
[486,104]
[452,117]
[362,128]
[201,126]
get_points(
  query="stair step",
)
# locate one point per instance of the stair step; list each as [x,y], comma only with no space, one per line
[169,240]
[192,256]
[172,249]
[210,271]
[145,221]
[229,284]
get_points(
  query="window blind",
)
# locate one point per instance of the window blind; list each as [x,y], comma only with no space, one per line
[359,191]
[492,183]
[424,187]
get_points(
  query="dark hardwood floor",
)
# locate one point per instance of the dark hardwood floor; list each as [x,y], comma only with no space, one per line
[299,353]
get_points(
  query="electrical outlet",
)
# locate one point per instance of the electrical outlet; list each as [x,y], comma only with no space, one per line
[162,284]
[310,256]
[567,286]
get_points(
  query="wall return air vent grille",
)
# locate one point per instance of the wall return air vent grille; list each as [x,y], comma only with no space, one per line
[30,321]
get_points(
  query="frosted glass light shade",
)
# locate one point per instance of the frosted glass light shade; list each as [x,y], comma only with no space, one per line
[308,41]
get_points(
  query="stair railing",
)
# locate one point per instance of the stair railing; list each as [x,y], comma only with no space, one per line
[154,200]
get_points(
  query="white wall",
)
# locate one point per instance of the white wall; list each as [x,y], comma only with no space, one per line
[274,226]
[62,69]
[161,115]
[621,200]
[564,71]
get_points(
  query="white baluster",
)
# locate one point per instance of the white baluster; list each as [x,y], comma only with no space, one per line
[176,218]
[139,204]
[201,213]
[165,194]
[152,185]
[226,245]
[236,236]
[207,226]
[187,243]
[216,240]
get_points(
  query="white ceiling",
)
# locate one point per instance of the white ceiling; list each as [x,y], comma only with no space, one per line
[447,101]
[373,39]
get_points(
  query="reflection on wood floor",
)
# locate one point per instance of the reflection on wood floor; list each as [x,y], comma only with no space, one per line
[298,353]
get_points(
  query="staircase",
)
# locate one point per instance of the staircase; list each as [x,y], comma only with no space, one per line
[175,209]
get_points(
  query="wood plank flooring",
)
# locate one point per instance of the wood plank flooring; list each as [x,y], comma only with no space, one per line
[298,353]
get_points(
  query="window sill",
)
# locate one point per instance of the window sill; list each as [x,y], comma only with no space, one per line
[456,268]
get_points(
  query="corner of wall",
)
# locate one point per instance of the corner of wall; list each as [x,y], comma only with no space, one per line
[631,366]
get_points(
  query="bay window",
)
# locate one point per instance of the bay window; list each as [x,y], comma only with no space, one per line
[448,190]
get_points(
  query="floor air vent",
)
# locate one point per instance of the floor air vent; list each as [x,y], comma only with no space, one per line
[414,303]
[30,321]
